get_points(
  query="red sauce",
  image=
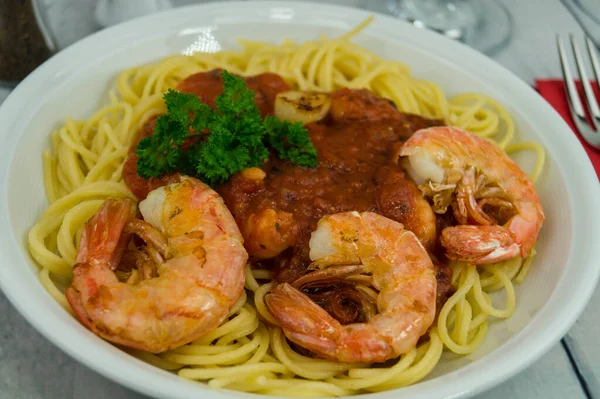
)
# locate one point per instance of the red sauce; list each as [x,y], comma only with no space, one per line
[357,146]
[208,86]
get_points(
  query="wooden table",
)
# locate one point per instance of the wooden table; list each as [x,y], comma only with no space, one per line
[31,367]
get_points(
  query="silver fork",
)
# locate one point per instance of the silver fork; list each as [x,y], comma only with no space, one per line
[589,131]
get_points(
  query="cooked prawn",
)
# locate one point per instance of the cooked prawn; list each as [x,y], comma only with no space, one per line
[400,270]
[199,255]
[458,168]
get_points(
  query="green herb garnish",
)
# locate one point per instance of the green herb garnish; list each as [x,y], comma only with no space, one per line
[220,141]
[291,141]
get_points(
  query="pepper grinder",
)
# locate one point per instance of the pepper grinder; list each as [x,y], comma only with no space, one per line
[25,41]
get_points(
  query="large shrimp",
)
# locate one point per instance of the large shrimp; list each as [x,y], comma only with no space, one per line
[473,175]
[199,258]
[395,263]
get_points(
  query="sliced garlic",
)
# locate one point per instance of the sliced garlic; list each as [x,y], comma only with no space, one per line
[304,107]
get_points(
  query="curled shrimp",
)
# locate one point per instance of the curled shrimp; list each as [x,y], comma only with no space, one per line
[400,270]
[197,251]
[493,200]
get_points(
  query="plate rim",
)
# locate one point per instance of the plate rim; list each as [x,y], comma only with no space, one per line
[458,388]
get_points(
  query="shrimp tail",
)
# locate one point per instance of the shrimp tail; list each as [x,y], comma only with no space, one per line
[102,241]
[74,299]
[479,244]
[302,318]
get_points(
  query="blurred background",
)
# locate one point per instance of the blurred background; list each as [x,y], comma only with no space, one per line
[32,30]
[485,24]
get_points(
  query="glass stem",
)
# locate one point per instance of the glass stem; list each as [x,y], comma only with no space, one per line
[429,3]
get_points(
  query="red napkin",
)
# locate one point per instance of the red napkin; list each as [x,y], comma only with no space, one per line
[553,90]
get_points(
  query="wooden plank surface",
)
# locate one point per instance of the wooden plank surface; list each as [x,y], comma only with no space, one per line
[583,341]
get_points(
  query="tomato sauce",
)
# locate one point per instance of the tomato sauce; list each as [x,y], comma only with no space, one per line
[357,150]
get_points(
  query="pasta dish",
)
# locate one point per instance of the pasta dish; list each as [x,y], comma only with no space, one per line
[288,219]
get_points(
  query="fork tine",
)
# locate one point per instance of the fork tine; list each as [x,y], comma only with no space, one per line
[590,98]
[593,57]
[573,96]
[575,106]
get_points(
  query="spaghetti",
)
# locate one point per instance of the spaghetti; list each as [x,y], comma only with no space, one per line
[249,352]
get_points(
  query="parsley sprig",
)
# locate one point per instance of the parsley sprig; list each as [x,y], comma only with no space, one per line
[221,141]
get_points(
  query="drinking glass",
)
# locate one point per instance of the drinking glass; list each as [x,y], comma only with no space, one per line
[485,25]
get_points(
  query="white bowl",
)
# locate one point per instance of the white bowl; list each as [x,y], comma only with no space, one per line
[75,82]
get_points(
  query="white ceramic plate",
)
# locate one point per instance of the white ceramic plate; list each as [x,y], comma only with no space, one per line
[75,82]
